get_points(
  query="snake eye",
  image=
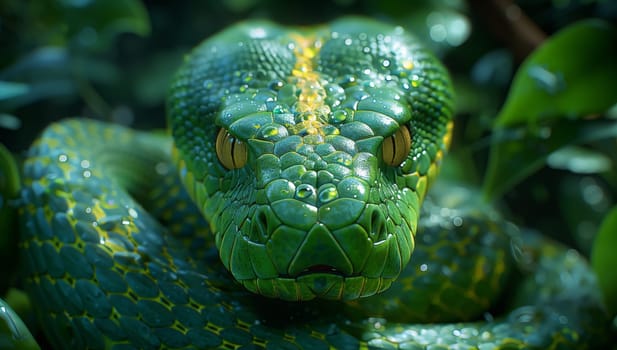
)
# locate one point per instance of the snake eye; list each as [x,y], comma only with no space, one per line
[231,152]
[396,147]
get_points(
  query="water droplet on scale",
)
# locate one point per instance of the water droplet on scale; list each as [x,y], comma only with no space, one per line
[208,84]
[328,194]
[304,191]
[339,116]
[133,213]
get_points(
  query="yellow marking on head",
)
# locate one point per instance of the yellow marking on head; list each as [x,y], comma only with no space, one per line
[408,64]
[313,111]
[434,168]
[447,138]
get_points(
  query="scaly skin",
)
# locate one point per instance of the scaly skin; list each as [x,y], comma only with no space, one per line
[313,108]
[319,204]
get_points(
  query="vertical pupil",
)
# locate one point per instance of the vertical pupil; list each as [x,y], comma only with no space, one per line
[393,141]
[232,153]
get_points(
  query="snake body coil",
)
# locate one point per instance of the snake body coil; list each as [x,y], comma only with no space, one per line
[309,153]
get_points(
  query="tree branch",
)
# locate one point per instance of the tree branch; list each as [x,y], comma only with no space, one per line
[510,24]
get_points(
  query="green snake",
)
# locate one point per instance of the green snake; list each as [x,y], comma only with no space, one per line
[307,153]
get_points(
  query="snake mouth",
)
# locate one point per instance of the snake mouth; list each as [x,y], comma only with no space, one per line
[322,269]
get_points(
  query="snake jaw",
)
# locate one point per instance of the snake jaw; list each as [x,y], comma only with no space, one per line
[297,264]
[289,247]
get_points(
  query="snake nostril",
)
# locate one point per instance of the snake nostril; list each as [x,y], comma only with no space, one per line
[378,225]
[260,227]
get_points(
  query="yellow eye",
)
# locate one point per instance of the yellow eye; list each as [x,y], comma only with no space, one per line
[396,147]
[231,152]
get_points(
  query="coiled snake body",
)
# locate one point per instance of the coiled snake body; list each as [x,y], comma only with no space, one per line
[309,153]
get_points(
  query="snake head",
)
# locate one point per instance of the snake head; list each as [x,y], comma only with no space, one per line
[310,151]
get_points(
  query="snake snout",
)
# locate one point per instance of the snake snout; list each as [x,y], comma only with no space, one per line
[320,252]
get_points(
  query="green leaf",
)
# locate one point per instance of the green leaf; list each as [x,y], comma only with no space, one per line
[518,152]
[9,121]
[570,77]
[13,331]
[9,189]
[10,90]
[579,160]
[94,23]
[9,174]
[604,259]
[45,72]
[573,74]
[52,73]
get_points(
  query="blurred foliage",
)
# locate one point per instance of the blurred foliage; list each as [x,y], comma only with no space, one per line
[113,60]
[11,324]
[603,259]
[547,95]
[9,187]
[570,76]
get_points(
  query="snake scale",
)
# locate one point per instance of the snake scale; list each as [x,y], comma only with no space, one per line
[307,153]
